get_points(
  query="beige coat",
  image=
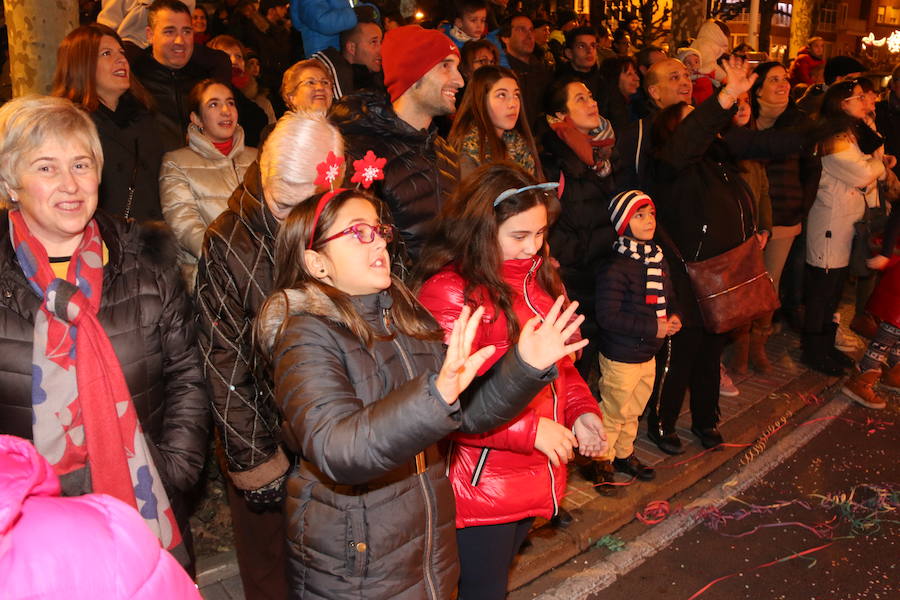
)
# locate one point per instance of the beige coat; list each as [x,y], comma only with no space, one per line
[194,186]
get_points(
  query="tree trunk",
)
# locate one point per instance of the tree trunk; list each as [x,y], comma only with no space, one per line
[687,17]
[801,26]
[36,27]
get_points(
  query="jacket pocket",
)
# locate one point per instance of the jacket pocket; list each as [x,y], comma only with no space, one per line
[357,542]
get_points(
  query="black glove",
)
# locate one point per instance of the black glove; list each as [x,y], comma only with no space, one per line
[268,497]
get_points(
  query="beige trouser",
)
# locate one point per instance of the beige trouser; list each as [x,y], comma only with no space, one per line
[624,391]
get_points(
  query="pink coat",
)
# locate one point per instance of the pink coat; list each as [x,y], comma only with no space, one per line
[79,548]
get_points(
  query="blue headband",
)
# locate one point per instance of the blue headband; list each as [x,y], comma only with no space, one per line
[512,191]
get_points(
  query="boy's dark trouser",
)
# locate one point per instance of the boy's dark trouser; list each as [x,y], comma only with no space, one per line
[259,540]
[485,555]
[693,364]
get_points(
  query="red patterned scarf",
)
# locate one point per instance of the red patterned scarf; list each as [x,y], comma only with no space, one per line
[83,415]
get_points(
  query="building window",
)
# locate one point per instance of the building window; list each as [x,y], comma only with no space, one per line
[842,13]
[879,14]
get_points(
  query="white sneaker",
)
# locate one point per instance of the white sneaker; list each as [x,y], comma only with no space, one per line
[726,385]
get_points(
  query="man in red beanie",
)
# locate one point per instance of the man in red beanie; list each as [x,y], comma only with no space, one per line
[422,78]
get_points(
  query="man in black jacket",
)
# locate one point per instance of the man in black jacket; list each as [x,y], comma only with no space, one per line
[170,67]
[517,35]
[887,118]
[422,77]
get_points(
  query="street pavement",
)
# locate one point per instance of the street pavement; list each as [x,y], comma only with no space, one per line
[821,525]
[787,396]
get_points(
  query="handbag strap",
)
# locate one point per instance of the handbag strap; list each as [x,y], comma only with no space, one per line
[637,151]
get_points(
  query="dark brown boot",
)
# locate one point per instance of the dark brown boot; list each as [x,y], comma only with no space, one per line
[758,355]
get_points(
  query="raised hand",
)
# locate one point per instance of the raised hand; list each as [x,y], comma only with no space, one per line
[555,441]
[738,78]
[542,344]
[591,435]
[460,364]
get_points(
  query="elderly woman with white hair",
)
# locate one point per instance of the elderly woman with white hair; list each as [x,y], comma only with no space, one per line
[99,366]
[235,274]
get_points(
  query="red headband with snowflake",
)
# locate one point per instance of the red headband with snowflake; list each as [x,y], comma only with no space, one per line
[366,171]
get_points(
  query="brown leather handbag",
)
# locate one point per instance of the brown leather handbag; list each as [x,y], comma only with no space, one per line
[733,288]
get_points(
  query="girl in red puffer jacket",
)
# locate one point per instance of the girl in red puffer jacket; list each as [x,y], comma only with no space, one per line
[489,249]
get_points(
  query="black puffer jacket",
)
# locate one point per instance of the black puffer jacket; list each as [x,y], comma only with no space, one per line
[234,276]
[422,168]
[147,316]
[582,235]
[132,152]
[362,523]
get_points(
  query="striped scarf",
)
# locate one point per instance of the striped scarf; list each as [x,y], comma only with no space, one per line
[651,256]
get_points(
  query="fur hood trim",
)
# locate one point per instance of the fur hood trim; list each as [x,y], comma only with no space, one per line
[287,303]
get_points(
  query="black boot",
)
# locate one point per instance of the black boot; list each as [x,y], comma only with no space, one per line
[817,356]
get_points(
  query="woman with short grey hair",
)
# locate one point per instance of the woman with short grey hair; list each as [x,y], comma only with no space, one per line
[100,369]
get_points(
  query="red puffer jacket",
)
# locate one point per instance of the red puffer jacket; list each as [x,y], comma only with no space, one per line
[499,477]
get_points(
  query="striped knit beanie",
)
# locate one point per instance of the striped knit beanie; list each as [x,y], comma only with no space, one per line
[624,205]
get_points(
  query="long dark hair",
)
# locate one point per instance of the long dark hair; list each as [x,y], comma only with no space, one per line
[833,110]
[76,68]
[761,70]
[466,236]
[407,315]
[473,112]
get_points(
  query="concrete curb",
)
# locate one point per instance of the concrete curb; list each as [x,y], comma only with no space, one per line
[601,575]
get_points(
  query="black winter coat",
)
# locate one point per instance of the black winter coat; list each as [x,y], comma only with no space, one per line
[171,88]
[132,155]
[148,318]
[422,168]
[582,235]
[235,274]
[702,201]
[627,323]
[362,522]
[887,120]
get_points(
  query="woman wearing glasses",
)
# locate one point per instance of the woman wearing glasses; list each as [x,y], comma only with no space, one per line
[367,390]
[848,177]
[307,87]
[490,250]
[195,182]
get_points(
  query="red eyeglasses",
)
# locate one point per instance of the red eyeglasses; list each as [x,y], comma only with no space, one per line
[365,233]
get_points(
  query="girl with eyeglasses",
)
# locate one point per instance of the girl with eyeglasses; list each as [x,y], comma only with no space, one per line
[367,390]
[490,123]
[489,250]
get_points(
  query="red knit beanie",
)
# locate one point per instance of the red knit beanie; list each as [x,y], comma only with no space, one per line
[408,53]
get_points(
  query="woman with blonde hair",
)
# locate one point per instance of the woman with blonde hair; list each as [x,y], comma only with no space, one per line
[307,87]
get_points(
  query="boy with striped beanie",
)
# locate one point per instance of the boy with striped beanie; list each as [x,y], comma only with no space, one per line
[634,312]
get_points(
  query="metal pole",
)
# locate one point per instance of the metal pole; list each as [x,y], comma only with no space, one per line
[753,26]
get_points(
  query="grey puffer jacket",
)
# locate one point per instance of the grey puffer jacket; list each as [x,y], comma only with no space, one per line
[363,521]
